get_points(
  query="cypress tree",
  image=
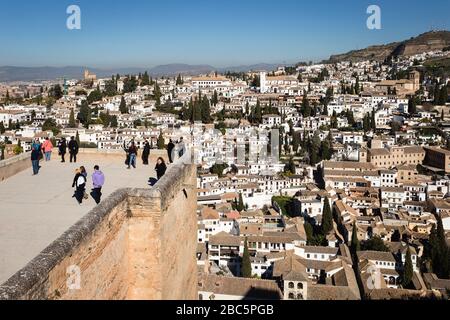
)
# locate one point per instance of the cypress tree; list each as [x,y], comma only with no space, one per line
[77,138]
[408,271]
[72,119]
[327,218]
[246,263]
[160,143]
[355,245]
[123,106]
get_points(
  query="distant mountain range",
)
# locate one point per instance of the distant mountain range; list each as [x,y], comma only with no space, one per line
[429,41]
[12,73]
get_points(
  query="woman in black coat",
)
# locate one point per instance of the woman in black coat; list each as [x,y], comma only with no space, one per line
[160,168]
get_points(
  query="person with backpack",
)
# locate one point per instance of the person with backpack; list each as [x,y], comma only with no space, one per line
[35,156]
[47,147]
[79,183]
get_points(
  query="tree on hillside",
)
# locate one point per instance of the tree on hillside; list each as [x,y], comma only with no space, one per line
[374,244]
[123,106]
[161,142]
[408,272]
[412,107]
[246,263]
[355,246]
[327,218]
[72,123]
[179,81]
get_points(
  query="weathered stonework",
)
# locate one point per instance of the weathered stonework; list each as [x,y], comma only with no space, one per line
[137,244]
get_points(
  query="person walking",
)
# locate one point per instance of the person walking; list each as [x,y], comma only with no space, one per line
[47,147]
[170,148]
[79,183]
[160,168]
[35,156]
[62,148]
[132,151]
[146,152]
[98,180]
[73,149]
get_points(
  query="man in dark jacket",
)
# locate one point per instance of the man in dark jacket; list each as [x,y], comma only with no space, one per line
[146,152]
[170,148]
[62,148]
[73,149]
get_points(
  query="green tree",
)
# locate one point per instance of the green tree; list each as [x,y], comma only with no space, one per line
[290,166]
[408,271]
[327,218]
[72,119]
[179,81]
[114,122]
[246,263]
[123,106]
[412,107]
[50,125]
[94,96]
[355,246]
[77,138]
[240,206]
[374,244]
[145,79]
[84,116]
[161,143]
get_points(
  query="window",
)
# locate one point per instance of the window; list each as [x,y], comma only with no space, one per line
[300,286]
[291,285]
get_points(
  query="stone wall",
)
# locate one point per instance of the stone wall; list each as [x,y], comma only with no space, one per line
[14,165]
[137,244]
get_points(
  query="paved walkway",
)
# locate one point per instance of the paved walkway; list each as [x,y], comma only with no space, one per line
[36,210]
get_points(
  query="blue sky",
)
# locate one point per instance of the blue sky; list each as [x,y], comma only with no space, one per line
[145,33]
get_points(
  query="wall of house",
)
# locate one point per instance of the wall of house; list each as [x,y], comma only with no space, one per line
[137,244]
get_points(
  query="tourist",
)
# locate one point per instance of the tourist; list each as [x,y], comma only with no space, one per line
[181,148]
[79,183]
[73,149]
[170,148]
[62,148]
[98,180]
[146,152]
[35,156]
[47,147]
[160,168]
[83,171]
[132,151]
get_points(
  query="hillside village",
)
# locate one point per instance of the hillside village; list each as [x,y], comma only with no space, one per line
[352,203]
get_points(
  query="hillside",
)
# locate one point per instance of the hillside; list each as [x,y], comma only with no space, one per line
[429,41]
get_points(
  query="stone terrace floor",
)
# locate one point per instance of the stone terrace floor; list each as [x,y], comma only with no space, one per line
[36,210]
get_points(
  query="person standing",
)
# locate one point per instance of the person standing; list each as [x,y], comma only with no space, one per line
[181,148]
[62,148]
[73,149]
[132,151]
[35,156]
[47,147]
[146,152]
[98,180]
[79,183]
[160,168]
[170,148]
